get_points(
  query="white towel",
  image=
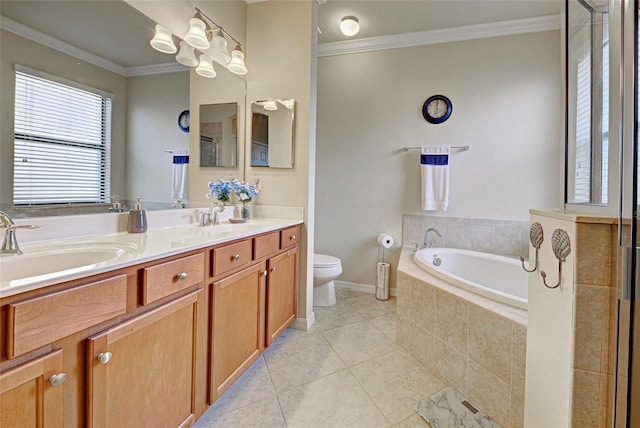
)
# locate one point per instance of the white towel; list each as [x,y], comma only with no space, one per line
[434,163]
[179,185]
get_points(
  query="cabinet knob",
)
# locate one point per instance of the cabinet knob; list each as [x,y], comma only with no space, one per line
[181,276]
[265,273]
[273,269]
[292,237]
[235,257]
[104,357]
[57,379]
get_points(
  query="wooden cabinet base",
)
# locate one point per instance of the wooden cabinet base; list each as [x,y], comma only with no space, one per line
[28,397]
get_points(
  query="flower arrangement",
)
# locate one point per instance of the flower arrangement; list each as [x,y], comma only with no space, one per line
[245,191]
[221,190]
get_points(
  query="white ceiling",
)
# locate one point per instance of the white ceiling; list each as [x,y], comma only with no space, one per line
[382,18]
[115,31]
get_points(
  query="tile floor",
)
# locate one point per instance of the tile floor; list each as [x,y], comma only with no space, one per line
[346,372]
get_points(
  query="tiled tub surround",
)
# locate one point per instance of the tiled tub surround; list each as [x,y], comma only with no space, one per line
[469,342]
[504,237]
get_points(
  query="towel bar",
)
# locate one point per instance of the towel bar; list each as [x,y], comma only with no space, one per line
[465,148]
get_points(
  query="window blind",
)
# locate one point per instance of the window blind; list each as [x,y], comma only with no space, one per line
[62,143]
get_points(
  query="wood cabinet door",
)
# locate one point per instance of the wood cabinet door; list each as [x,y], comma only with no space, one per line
[142,371]
[282,293]
[237,311]
[28,397]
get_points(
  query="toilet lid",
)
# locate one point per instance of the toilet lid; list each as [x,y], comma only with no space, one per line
[323,260]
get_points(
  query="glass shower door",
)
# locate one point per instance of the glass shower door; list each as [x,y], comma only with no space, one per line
[627,372]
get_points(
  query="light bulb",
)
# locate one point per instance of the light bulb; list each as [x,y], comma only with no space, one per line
[186,56]
[197,34]
[219,50]
[205,67]
[237,65]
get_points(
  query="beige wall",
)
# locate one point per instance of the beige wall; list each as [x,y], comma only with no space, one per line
[280,48]
[507,105]
[18,50]
[154,103]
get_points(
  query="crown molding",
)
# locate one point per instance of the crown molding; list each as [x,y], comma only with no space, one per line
[146,70]
[53,43]
[456,34]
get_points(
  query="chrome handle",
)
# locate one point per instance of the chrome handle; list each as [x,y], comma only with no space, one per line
[181,276]
[273,269]
[292,237]
[235,257]
[57,379]
[104,357]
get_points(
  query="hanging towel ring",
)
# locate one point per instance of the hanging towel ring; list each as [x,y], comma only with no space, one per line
[561,246]
[536,236]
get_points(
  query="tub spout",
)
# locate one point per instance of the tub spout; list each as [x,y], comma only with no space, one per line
[427,242]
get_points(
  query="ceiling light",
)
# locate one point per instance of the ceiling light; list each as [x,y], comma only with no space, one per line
[163,41]
[197,34]
[237,65]
[349,26]
[205,67]
[186,56]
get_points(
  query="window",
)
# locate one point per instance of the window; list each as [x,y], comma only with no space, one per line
[62,142]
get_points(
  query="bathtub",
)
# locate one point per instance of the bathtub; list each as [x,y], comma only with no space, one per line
[499,278]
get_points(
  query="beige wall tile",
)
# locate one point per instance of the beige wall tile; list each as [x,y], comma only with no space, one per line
[421,346]
[452,320]
[593,254]
[403,328]
[518,358]
[585,403]
[516,415]
[423,306]
[606,400]
[489,393]
[404,292]
[450,366]
[489,344]
[591,313]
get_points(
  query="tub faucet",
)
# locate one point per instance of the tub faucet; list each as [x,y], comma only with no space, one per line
[10,242]
[428,241]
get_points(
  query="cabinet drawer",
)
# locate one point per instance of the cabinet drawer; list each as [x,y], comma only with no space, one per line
[167,278]
[289,237]
[231,257]
[266,245]
[39,321]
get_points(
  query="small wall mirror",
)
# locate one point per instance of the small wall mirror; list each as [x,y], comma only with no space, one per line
[272,123]
[219,135]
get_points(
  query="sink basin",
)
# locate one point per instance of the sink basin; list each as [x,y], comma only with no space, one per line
[40,262]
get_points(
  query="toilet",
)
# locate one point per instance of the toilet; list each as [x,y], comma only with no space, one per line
[325,270]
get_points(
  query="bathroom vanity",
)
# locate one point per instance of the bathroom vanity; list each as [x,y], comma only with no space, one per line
[153,338]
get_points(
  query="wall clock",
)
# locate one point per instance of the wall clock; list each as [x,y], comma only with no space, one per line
[437,109]
[183,121]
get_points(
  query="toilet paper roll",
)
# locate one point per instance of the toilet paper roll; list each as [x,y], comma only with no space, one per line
[385,240]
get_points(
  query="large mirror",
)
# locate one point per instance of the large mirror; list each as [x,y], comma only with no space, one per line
[272,122]
[219,135]
[104,46]
[587,133]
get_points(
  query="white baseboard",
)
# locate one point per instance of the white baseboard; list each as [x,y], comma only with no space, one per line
[304,324]
[363,288]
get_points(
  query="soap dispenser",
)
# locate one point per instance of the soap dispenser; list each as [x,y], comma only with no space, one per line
[137,219]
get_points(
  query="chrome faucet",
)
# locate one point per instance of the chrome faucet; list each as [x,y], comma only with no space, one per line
[211,217]
[427,242]
[178,204]
[10,242]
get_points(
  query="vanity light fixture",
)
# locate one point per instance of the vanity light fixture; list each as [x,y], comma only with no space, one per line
[349,26]
[270,105]
[287,103]
[162,41]
[186,55]
[201,41]
[205,67]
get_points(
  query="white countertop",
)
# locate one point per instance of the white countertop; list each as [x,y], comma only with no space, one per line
[132,249]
